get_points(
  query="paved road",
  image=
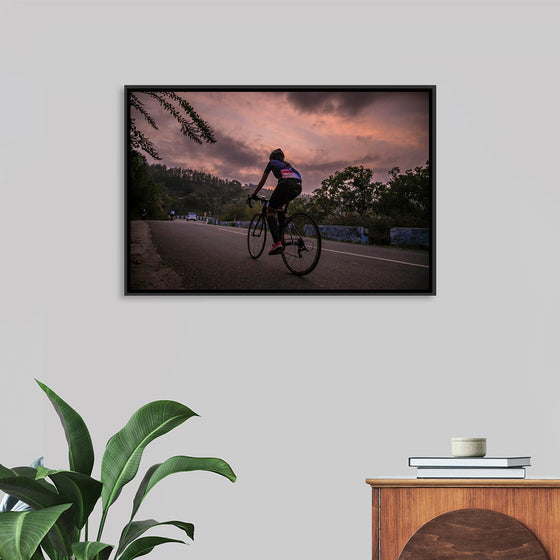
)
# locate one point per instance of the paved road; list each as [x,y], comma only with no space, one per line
[212,258]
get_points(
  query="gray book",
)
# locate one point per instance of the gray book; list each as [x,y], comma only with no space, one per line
[503,462]
[477,472]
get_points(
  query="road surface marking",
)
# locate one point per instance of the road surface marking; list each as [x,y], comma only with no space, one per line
[231,231]
[376,258]
[344,252]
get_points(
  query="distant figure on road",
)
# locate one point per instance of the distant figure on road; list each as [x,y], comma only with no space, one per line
[144,214]
[288,188]
[172,215]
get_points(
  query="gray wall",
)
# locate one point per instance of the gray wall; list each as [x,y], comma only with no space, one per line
[479,359]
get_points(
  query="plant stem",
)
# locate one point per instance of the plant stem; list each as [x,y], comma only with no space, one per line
[127,527]
[101,525]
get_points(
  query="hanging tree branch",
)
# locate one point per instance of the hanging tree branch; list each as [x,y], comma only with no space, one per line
[139,142]
[192,125]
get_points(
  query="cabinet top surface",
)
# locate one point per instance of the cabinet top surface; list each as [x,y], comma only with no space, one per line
[463,482]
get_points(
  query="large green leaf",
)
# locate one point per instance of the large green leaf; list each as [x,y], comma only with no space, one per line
[89,550]
[8,502]
[143,546]
[50,550]
[38,555]
[6,472]
[175,465]
[80,448]
[79,489]
[31,473]
[58,542]
[133,530]
[22,532]
[124,450]
[38,496]
[11,503]
[29,491]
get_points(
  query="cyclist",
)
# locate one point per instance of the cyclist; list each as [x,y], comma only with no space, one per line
[288,188]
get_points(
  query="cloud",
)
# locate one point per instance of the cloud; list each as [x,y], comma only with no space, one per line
[320,131]
[389,106]
[228,157]
[232,156]
[347,103]
[234,152]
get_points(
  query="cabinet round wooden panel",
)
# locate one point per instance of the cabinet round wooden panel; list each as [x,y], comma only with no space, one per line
[465,519]
[468,534]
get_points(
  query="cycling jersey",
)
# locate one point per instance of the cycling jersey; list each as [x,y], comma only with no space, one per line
[282,170]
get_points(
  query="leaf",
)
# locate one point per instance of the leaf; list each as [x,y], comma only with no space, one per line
[8,502]
[29,471]
[21,533]
[50,550]
[31,474]
[132,531]
[58,542]
[5,472]
[80,448]
[88,550]
[175,465]
[38,555]
[29,491]
[35,494]
[11,503]
[124,450]
[79,489]
[142,546]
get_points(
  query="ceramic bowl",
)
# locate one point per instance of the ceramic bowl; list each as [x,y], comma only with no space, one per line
[468,447]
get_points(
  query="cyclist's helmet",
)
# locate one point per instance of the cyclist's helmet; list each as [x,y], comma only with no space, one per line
[277,154]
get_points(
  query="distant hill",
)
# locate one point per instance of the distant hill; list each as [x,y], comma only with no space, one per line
[189,190]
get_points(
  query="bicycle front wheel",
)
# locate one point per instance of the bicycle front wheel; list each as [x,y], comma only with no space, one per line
[256,237]
[302,244]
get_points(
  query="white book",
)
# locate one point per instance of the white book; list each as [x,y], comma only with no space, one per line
[478,472]
[469,462]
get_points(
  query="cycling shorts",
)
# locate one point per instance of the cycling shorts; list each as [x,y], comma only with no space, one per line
[286,190]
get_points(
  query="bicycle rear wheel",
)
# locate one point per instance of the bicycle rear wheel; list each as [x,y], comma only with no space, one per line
[302,244]
[256,236]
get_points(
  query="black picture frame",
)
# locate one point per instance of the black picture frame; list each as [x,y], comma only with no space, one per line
[175,257]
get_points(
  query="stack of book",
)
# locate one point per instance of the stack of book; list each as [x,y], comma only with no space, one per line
[470,467]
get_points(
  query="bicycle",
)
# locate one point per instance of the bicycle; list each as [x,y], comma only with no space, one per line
[301,240]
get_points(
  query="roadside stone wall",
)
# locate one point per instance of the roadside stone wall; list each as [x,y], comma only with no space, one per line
[349,234]
[241,224]
[410,236]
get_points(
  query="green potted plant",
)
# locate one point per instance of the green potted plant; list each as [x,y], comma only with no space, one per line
[61,501]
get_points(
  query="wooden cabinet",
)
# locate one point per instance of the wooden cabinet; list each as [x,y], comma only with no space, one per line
[493,518]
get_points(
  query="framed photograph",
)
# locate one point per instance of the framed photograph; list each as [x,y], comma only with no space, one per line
[280,190]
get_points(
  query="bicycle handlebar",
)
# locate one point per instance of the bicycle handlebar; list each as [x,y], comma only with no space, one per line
[252,197]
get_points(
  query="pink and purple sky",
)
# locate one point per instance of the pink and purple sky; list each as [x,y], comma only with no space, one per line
[320,132]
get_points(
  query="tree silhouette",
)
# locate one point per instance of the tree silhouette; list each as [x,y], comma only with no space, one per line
[406,197]
[192,125]
[345,193]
